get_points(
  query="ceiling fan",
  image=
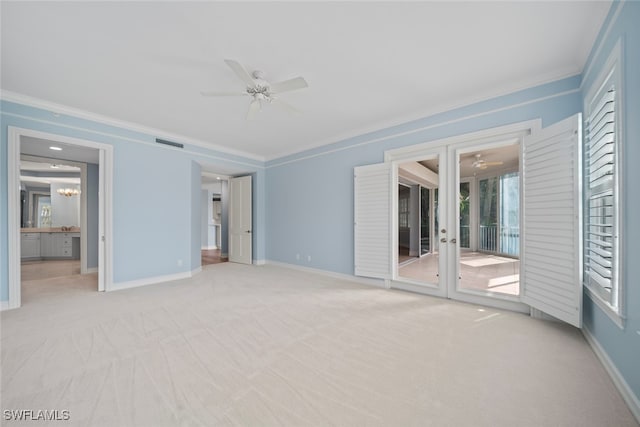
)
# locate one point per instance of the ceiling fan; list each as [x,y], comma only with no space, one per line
[480,163]
[261,90]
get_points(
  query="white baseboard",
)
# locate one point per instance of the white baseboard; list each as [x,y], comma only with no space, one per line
[153,280]
[4,305]
[92,270]
[379,283]
[259,262]
[224,255]
[208,248]
[623,387]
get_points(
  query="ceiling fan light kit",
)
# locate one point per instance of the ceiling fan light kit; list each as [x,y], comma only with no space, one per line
[260,89]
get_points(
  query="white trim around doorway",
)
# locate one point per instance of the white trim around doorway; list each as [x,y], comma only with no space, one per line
[105,203]
[452,146]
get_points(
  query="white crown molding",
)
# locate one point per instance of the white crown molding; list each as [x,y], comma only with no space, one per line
[600,40]
[420,129]
[55,108]
[380,126]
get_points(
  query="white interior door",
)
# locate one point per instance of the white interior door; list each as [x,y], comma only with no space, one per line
[101,222]
[240,231]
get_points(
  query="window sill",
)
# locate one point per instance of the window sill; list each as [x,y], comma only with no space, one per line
[616,317]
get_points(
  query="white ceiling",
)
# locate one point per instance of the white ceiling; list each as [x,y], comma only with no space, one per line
[368,64]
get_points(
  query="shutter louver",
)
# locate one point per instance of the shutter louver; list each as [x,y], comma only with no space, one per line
[551,222]
[600,196]
[372,221]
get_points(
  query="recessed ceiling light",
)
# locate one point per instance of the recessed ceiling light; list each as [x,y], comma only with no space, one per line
[53,147]
[218,178]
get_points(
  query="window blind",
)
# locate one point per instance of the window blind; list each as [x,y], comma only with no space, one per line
[601,205]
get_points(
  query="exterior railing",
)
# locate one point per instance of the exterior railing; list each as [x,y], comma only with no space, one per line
[465,234]
[505,240]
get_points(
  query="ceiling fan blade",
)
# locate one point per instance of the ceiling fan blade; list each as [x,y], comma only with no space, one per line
[254,107]
[240,72]
[493,163]
[223,93]
[284,105]
[288,85]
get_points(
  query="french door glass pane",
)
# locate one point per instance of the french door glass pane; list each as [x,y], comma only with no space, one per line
[418,258]
[488,233]
[510,214]
[465,222]
[425,221]
[489,252]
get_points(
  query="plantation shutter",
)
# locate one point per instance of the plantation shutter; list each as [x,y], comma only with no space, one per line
[372,221]
[600,210]
[551,258]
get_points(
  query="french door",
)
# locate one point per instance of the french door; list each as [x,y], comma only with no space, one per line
[496,214]
[461,229]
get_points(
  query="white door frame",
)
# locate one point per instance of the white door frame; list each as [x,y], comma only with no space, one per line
[510,302]
[435,289]
[105,251]
[449,166]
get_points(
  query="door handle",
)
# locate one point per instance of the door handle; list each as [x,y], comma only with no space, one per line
[453,240]
[443,240]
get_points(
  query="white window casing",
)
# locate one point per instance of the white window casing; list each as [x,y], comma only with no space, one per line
[602,237]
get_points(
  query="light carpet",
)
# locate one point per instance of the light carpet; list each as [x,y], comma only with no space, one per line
[264,346]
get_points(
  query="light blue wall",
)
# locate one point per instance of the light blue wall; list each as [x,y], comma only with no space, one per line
[92,215]
[195,187]
[152,217]
[623,345]
[310,194]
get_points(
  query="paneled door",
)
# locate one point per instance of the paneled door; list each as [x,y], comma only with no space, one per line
[240,220]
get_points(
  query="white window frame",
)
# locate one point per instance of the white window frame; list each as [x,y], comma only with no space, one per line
[611,75]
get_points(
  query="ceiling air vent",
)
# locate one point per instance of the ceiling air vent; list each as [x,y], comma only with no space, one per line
[171,143]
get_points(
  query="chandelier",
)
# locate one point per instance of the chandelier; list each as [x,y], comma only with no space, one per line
[68,192]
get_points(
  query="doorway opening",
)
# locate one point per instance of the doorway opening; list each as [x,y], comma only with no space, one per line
[214,223]
[50,222]
[489,220]
[458,217]
[59,215]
